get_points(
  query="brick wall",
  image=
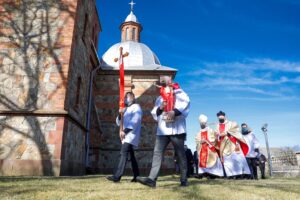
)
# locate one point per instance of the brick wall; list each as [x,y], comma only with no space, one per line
[42,54]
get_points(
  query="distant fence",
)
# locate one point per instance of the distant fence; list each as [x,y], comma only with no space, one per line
[286,164]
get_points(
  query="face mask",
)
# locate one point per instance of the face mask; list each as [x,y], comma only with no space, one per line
[203,126]
[245,131]
[221,121]
[128,101]
[163,84]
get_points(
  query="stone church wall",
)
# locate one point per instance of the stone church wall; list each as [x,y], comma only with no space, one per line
[42,111]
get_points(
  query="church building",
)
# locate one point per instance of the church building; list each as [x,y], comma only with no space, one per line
[58,100]
[142,72]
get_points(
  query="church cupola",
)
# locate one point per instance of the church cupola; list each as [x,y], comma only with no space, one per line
[131,28]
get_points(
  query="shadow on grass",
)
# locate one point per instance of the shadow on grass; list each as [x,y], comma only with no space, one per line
[25,178]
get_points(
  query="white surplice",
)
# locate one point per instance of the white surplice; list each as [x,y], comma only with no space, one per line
[132,120]
[178,126]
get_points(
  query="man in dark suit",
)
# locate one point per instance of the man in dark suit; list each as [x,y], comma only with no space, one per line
[262,165]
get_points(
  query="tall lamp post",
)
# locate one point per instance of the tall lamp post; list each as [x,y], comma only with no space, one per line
[265,130]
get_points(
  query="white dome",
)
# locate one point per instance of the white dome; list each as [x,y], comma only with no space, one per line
[140,55]
[131,18]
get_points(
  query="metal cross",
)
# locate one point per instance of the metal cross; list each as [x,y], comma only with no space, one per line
[121,54]
[131,4]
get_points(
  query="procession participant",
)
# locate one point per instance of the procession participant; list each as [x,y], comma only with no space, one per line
[206,141]
[170,112]
[189,161]
[262,165]
[232,147]
[253,152]
[129,136]
[196,163]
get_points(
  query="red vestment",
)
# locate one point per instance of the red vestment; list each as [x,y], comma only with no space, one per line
[203,156]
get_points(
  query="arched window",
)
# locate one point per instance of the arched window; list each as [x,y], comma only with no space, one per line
[127,34]
[133,34]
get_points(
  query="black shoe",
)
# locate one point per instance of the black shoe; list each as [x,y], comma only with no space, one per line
[146,181]
[183,184]
[133,180]
[113,179]
[198,176]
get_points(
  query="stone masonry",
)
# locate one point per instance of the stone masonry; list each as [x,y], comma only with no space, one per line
[47,52]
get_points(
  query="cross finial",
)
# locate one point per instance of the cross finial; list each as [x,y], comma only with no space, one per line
[131,4]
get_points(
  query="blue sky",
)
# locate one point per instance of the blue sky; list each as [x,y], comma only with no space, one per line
[239,56]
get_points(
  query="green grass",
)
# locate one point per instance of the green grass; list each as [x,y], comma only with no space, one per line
[97,187]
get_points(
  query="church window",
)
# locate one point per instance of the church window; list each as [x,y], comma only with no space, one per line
[133,34]
[127,33]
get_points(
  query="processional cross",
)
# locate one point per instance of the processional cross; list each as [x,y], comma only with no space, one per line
[121,85]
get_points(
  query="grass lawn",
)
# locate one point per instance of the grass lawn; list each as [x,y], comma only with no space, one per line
[97,187]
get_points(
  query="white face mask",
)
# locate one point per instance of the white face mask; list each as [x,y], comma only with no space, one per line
[128,101]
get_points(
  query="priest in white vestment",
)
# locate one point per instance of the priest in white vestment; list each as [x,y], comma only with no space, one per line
[232,147]
[210,165]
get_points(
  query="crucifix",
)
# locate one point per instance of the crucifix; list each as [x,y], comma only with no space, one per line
[131,4]
[121,85]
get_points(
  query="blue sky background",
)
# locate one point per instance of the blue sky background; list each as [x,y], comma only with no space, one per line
[239,56]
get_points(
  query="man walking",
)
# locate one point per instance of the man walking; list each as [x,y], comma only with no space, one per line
[129,137]
[170,112]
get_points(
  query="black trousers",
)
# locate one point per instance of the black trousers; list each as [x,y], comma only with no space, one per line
[262,169]
[252,163]
[161,143]
[126,149]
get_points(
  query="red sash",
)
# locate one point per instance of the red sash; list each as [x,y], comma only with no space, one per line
[204,150]
[244,146]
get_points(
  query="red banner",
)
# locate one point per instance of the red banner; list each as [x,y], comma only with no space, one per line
[122,84]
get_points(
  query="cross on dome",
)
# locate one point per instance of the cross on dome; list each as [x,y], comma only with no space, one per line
[131,4]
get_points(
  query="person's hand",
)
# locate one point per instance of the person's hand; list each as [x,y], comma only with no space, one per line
[170,115]
[204,141]
[237,148]
[122,135]
[162,106]
[223,134]
[121,110]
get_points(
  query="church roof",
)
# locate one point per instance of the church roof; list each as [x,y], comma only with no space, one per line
[131,18]
[140,58]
